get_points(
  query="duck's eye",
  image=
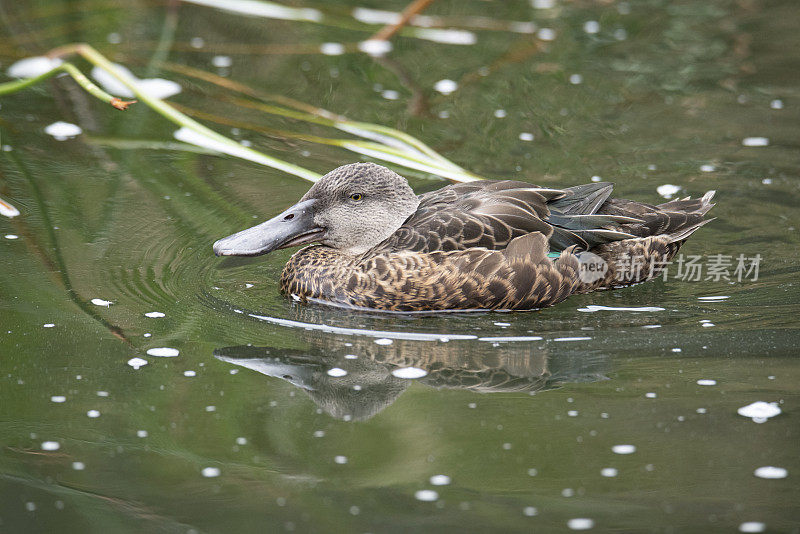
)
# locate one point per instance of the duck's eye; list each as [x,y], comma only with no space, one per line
[356,196]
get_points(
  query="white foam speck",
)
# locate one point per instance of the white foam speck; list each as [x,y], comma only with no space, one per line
[500,113]
[58,398]
[390,94]
[530,511]
[707,168]
[11,236]
[776,104]
[706,382]
[577,338]
[383,341]
[760,411]
[341,460]
[426,495]
[101,302]
[676,349]
[502,324]
[575,79]
[78,466]
[7,210]
[154,87]
[189,374]
[526,136]
[752,526]
[210,472]
[409,372]
[102,393]
[543,4]
[445,86]
[94,414]
[771,472]
[668,190]
[48,325]
[715,297]
[141,433]
[440,480]
[580,523]
[114,38]
[30,67]
[446,35]
[375,47]
[154,314]
[50,446]
[591,308]
[332,49]
[221,62]
[137,362]
[62,131]
[596,178]
[591,26]
[755,141]
[510,338]
[337,372]
[650,395]
[267,10]
[163,352]
[609,472]
[624,449]
[547,34]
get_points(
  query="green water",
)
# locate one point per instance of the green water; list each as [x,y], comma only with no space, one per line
[524,429]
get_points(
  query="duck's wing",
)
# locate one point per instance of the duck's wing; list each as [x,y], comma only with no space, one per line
[489,214]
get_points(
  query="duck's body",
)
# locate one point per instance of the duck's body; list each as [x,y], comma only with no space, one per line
[481,245]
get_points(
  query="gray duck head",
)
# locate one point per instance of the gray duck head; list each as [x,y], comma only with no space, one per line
[352,209]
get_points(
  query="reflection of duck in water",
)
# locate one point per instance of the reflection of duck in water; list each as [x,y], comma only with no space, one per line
[479,245]
[374,373]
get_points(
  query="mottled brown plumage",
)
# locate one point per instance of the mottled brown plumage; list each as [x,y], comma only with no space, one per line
[481,245]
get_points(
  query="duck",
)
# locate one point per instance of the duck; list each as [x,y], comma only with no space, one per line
[372,243]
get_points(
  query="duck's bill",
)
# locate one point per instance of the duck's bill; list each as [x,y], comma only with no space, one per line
[291,228]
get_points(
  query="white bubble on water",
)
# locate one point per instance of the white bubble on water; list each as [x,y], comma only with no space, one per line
[154,314]
[210,472]
[624,449]
[752,526]
[163,352]
[409,373]
[332,49]
[526,136]
[137,362]
[591,26]
[50,445]
[547,34]
[48,325]
[755,141]
[668,190]
[707,168]
[576,79]
[580,523]
[446,86]
[706,382]
[530,511]
[189,373]
[336,372]
[221,62]
[383,341]
[500,113]
[760,411]
[58,398]
[440,480]
[341,460]
[375,47]
[78,466]
[101,302]
[609,472]
[776,104]
[426,495]
[770,471]
[141,433]
[93,414]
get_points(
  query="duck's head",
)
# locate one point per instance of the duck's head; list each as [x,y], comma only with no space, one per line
[352,209]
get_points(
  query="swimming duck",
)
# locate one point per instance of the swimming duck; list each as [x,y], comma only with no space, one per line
[479,245]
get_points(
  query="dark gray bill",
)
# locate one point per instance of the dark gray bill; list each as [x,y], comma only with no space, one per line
[293,227]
